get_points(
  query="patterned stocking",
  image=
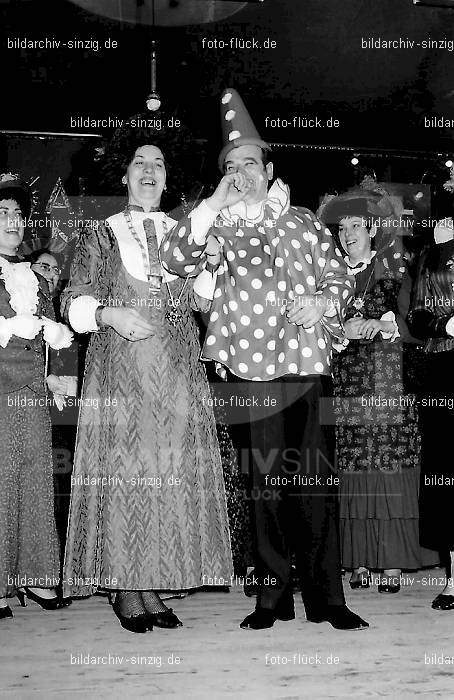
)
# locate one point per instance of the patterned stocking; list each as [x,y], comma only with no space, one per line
[153,602]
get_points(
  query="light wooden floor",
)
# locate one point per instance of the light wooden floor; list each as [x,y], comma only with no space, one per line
[217,659]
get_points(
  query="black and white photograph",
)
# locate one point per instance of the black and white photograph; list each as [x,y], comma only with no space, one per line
[226,349]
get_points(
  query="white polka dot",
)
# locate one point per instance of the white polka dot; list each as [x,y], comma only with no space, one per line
[214,316]
[270,369]
[307,236]
[396,255]
[321,262]
[281,333]
[325,246]
[321,343]
[257,357]
[239,233]
[211,340]
[223,355]
[232,281]
[242,271]
[229,115]
[308,258]
[401,269]
[271,345]
[334,290]
[310,280]
[245,320]
[189,268]
[310,330]
[182,231]
[256,284]
[243,367]
[233,326]
[291,224]
[282,286]
[225,308]
[293,344]
[257,309]
[318,367]
[234,135]
[275,241]
[291,294]
[299,289]
[217,293]
[272,321]
[317,225]
[279,262]
[306,352]
[267,249]
[244,344]
[293,368]
[334,263]
[224,331]
[166,246]
[254,241]
[281,357]
[233,305]
[298,265]
[345,293]
[230,255]
[295,243]
[226,98]
[258,333]
[244,296]
[232,350]
[328,232]
[242,253]
[256,261]
[196,253]
[308,216]
[268,272]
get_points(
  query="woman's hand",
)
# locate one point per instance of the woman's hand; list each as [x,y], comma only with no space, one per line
[127,322]
[351,328]
[369,328]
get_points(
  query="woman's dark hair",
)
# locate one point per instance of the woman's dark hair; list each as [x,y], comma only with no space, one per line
[18,195]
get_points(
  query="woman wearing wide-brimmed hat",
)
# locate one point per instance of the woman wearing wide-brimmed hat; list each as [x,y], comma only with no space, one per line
[377,433]
[29,551]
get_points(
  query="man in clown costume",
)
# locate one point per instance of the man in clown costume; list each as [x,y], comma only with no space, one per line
[281,290]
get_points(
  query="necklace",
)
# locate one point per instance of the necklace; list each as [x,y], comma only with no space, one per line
[173,315]
[358,301]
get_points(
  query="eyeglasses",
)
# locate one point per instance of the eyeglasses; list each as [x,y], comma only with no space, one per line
[48,267]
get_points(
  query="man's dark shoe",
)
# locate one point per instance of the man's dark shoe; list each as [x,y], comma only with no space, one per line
[260,619]
[339,616]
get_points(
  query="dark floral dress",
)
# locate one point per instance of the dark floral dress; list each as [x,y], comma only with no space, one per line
[378,441]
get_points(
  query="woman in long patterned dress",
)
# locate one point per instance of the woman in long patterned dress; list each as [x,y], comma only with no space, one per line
[148,508]
[29,551]
[378,441]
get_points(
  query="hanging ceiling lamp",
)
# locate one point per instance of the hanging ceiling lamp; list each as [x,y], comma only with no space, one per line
[165,13]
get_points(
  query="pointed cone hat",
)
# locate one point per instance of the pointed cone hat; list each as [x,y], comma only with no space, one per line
[238,129]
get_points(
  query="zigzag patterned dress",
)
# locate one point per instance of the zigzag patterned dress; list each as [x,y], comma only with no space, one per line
[148,506]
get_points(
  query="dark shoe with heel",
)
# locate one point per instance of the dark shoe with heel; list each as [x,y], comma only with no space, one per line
[6,612]
[363,580]
[165,619]
[55,603]
[443,602]
[260,619]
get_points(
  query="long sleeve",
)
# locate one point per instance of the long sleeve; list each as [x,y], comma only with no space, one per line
[85,291]
[183,246]
[331,278]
